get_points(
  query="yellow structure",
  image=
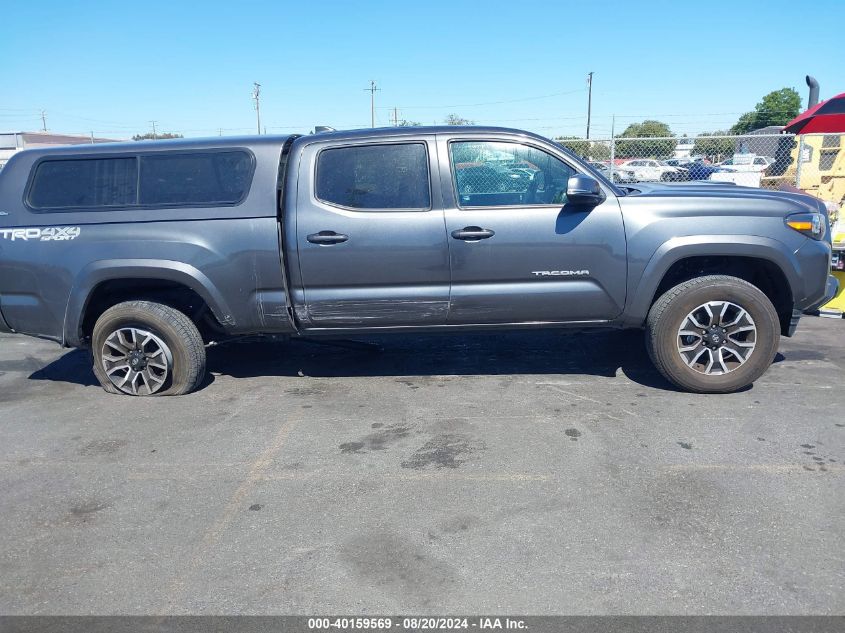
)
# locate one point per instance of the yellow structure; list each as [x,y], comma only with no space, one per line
[822,168]
[838,302]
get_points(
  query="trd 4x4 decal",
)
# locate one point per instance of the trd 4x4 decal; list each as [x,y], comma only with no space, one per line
[48,234]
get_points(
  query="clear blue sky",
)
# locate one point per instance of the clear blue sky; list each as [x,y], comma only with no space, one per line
[111,67]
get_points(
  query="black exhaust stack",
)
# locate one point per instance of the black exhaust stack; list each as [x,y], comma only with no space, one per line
[814,91]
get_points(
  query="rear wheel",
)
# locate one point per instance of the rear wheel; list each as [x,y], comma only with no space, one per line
[141,348]
[713,334]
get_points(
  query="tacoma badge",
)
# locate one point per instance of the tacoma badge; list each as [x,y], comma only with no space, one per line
[560,273]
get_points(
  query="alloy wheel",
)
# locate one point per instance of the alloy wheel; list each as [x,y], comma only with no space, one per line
[136,361]
[717,338]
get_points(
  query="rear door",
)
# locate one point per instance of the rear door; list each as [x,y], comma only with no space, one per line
[519,252]
[370,236]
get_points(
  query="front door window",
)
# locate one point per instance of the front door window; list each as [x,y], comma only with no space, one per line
[502,174]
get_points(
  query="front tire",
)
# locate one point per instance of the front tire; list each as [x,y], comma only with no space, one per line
[142,348]
[712,334]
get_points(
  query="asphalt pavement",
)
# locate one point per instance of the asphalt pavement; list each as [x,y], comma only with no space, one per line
[519,473]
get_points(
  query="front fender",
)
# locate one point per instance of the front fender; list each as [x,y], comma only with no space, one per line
[642,287]
[97,272]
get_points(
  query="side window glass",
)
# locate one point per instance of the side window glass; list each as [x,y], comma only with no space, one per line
[375,176]
[201,178]
[86,183]
[490,174]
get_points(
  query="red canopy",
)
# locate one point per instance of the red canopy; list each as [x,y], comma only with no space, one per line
[827,117]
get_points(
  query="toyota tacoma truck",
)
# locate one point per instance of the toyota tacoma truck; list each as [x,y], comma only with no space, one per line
[146,253]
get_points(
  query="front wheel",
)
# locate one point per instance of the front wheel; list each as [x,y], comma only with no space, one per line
[141,348]
[713,334]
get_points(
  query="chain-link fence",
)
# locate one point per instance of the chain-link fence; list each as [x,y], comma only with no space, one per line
[768,161]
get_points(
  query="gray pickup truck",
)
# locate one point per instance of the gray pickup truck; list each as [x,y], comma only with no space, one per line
[147,252]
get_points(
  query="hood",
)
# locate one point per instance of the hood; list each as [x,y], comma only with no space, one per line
[720,190]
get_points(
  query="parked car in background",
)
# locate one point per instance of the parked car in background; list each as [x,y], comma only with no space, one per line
[743,169]
[649,169]
[618,175]
[747,162]
[696,168]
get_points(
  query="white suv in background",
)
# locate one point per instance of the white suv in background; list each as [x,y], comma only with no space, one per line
[650,169]
[743,169]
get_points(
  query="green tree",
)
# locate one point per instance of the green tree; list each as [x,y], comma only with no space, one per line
[584,148]
[406,123]
[576,145]
[778,107]
[659,141]
[454,119]
[714,148]
[159,136]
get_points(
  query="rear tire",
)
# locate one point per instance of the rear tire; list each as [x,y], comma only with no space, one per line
[142,348]
[712,334]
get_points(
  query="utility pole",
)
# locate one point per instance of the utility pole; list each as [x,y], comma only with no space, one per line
[256,93]
[612,147]
[372,90]
[589,100]
[43,121]
[154,130]
[395,117]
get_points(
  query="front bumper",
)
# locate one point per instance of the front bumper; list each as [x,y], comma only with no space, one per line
[830,290]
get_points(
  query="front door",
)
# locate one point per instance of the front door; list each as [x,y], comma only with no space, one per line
[371,243]
[519,252]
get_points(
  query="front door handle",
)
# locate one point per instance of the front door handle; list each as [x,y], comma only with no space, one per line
[327,237]
[472,233]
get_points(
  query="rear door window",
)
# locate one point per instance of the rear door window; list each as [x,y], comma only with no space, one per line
[84,183]
[375,177]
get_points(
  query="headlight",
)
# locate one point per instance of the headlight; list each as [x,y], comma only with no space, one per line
[810,224]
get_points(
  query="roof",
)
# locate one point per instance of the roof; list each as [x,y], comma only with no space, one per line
[824,117]
[420,130]
[161,145]
[278,140]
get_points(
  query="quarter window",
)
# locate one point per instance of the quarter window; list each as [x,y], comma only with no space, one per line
[101,182]
[201,178]
[166,179]
[492,174]
[374,176]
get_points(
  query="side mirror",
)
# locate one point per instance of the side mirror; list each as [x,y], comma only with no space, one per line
[583,189]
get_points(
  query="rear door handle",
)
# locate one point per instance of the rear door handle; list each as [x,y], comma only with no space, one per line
[472,233]
[327,237]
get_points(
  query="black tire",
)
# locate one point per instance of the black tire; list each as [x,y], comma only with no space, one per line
[184,344]
[670,311]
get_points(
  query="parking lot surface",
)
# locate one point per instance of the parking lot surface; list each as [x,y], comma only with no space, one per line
[520,473]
